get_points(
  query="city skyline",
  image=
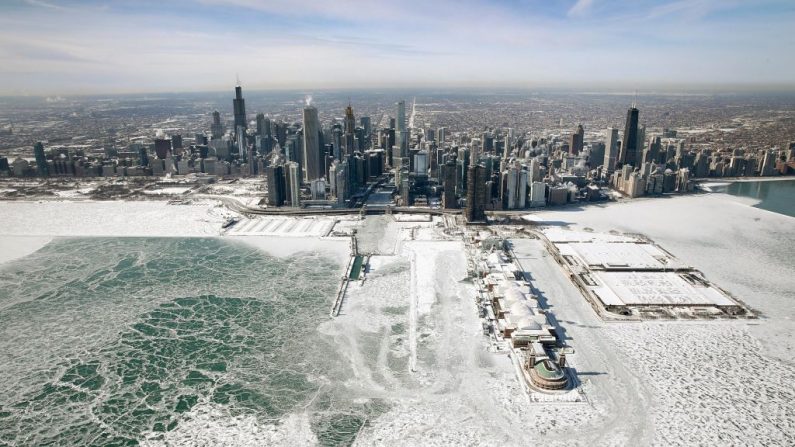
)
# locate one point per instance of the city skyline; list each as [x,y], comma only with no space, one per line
[78,47]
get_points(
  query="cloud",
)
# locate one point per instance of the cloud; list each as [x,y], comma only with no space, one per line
[580,8]
[200,44]
[47,5]
[691,9]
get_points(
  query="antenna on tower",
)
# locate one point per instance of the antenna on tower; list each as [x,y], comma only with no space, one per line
[635,100]
[237,77]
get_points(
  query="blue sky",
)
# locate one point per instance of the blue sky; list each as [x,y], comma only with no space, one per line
[93,46]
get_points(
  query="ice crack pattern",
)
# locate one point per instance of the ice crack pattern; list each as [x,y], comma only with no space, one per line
[123,341]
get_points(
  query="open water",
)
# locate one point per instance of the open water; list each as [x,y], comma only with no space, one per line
[121,341]
[777,196]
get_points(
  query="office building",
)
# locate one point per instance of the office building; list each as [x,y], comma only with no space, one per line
[611,149]
[313,163]
[274,176]
[349,129]
[216,128]
[239,106]
[41,160]
[629,145]
[577,138]
[476,194]
[293,177]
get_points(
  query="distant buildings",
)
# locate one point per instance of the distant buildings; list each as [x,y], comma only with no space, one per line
[331,164]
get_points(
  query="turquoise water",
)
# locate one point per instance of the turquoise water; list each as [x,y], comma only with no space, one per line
[777,196]
[109,341]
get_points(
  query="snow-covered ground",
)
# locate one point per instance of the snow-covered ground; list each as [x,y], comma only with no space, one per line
[16,247]
[694,383]
[412,337]
[27,226]
[111,218]
[169,190]
[282,226]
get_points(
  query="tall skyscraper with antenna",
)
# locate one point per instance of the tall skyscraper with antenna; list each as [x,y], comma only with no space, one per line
[239,106]
[350,127]
[629,145]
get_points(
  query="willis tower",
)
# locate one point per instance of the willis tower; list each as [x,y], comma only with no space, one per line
[239,106]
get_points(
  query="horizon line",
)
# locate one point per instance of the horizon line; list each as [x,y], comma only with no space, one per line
[649,88]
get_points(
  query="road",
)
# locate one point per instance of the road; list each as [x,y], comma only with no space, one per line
[237,206]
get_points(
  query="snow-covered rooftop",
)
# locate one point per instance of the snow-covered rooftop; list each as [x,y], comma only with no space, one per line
[613,255]
[650,288]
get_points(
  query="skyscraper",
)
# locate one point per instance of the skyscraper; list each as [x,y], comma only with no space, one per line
[577,140]
[239,106]
[242,146]
[293,183]
[401,130]
[629,145]
[611,149]
[349,128]
[448,183]
[216,129]
[261,124]
[367,126]
[41,160]
[143,157]
[276,184]
[264,133]
[162,148]
[312,162]
[476,194]
[401,116]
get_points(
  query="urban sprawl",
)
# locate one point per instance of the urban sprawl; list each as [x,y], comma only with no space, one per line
[398,163]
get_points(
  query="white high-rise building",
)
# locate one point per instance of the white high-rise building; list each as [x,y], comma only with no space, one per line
[421,163]
[242,147]
[535,171]
[474,152]
[441,135]
[317,188]
[294,181]
[516,186]
[538,194]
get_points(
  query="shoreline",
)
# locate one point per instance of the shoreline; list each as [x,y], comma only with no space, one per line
[717,180]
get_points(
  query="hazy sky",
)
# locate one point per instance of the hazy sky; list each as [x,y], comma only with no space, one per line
[94,46]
